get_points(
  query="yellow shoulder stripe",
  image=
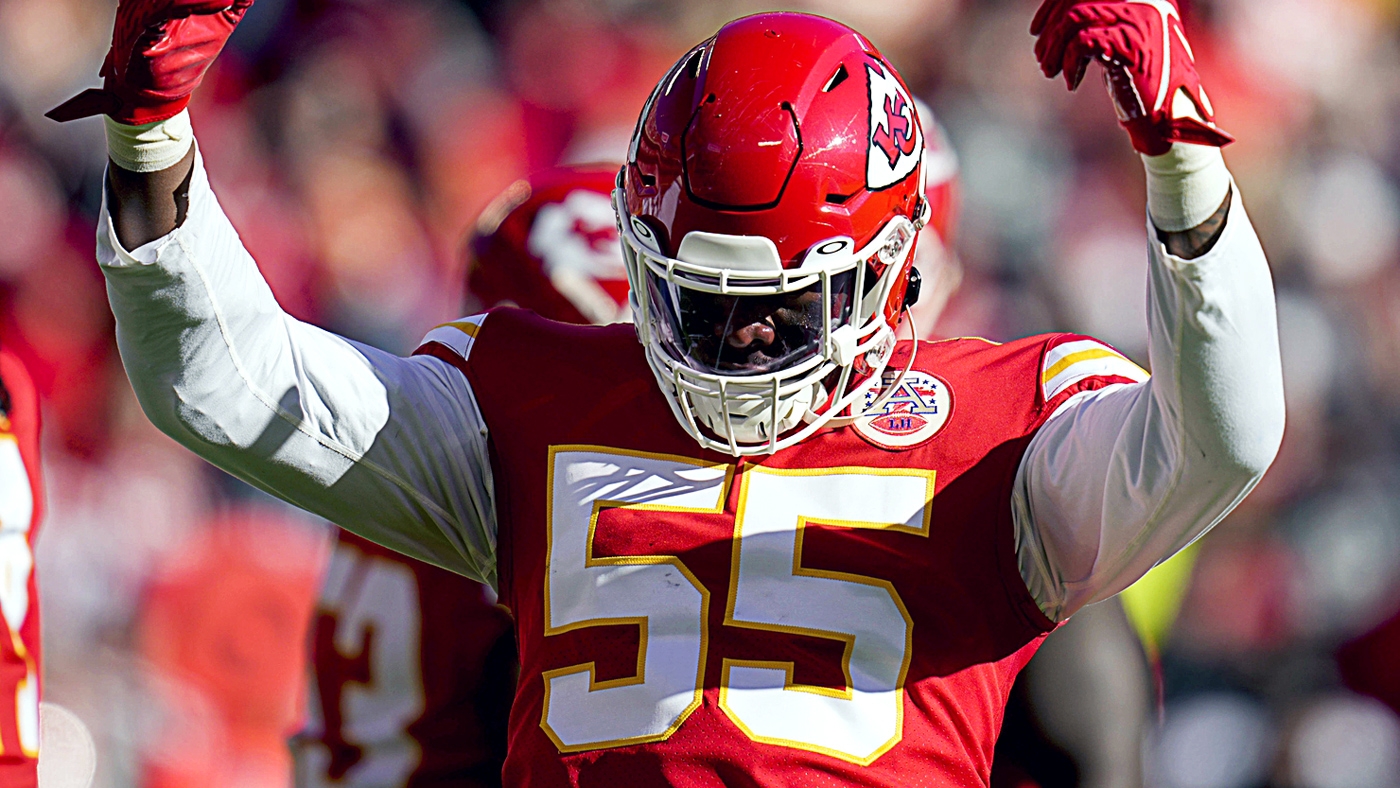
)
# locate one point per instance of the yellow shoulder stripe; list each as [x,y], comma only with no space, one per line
[1074,358]
[457,336]
[465,326]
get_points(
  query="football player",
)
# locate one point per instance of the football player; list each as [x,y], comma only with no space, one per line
[721,570]
[414,666]
[21,505]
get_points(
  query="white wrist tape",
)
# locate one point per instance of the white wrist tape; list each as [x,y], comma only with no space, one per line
[1185,186]
[150,147]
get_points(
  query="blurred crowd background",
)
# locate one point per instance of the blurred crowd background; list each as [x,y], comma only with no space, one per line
[354,142]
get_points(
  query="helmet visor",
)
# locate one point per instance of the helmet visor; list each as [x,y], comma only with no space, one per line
[741,335]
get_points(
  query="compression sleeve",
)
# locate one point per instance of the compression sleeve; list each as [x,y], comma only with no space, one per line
[1121,478]
[394,449]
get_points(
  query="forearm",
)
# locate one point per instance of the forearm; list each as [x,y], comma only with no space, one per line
[385,446]
[1122,478]
[149,177]
[1192,243]
[1188,198]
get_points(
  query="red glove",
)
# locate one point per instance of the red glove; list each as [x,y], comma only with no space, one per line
[1147,62]
[160,51]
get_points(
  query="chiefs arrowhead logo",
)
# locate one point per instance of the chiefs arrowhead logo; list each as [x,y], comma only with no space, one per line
[899,140]
[896,139]
[576,242]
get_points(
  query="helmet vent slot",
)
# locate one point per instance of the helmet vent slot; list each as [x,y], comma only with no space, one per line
[692,68]
[838,199]
[836,78]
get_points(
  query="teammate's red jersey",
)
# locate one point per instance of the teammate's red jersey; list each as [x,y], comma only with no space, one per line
[414,670]
[846,611]
[442,689]
[21,505]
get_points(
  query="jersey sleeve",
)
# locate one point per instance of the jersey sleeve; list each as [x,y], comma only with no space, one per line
[1126,471]
[393,449]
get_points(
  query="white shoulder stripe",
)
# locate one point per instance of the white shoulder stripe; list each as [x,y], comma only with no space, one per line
[1072,362]
[457,336]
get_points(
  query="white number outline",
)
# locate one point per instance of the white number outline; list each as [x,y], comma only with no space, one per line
[590,561]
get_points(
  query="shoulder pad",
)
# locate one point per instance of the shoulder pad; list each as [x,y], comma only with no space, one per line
[457,336]
[1073,361]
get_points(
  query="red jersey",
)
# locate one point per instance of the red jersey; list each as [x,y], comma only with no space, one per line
[846,611]
[414,668]
[21,504]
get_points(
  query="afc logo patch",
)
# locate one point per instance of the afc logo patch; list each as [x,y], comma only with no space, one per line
[914,413]
[896,139]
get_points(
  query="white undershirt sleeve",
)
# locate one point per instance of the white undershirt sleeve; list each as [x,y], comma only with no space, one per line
[391,448]
[1121,478]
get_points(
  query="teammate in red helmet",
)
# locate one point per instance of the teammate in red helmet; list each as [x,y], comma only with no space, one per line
[549,244]
[423,702]
[728,562]
[21,506]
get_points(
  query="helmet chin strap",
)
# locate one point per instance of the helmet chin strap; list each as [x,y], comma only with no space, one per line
[889,390]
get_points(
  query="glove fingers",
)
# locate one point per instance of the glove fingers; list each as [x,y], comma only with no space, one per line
[1059,31]
[184,44]
[1048,10]
[1076,62]
[1109,42]
[1096,14]
[1143,73]
[1050,49]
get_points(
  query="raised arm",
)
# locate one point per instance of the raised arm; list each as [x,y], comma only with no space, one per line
[391,448]
[1121,478]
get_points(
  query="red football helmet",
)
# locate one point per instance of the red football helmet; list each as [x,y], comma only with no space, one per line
[769,211]
[550,244]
